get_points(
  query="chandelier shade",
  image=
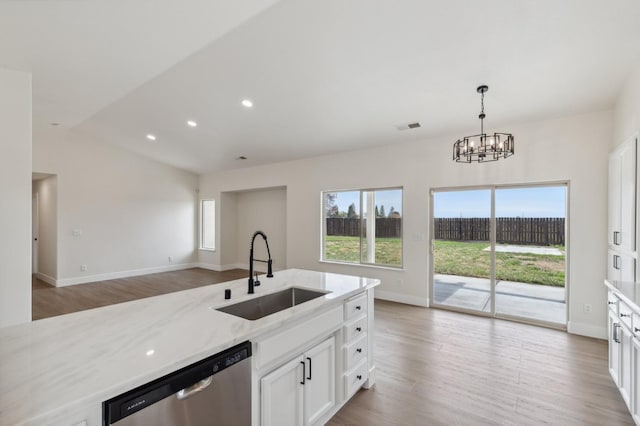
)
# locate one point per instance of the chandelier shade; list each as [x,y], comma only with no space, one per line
[483,147]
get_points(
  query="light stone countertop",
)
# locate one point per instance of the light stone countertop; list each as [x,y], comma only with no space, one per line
[51,366]
[628,291]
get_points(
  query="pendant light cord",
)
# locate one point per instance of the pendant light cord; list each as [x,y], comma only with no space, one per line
[482,115]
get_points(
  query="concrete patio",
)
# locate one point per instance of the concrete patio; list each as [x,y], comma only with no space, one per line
[534,301]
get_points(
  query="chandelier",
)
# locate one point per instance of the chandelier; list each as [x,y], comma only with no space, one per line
[482,147]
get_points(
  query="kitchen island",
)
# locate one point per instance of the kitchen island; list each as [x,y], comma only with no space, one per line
[59,370]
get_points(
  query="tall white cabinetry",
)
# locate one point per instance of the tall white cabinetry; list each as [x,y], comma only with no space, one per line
[622,255]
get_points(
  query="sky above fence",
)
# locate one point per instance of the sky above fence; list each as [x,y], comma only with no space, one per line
[512,202]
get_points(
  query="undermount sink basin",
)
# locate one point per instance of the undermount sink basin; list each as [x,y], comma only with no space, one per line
[271,303]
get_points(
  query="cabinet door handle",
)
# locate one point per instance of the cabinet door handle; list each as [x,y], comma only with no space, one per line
[309,376]
[616,234]
[616,262]
[636,329]
[359,350]
[358,307]
[616,327]
[304,371]
[359,376]
[611,303]
[624,315]
[358,328]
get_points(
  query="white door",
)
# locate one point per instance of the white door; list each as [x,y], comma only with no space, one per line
[627,240]
[635,380]
[621,267]
[626,342]
[34,234]
[281,395]
[614,347]
[319,387]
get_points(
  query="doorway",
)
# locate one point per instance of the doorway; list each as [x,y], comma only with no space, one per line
[501,251]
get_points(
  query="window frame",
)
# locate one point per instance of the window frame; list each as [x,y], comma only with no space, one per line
[202,226]
[361,198]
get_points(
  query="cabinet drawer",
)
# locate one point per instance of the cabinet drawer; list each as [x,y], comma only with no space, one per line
[354,352]
[355,307]
[635,322]
[355,378]
[624,313]
[612,302]
[357,328]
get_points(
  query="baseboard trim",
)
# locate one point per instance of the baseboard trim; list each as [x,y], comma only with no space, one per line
[122,274]
[588,330]
[46,278]
[401,298]
[220,268]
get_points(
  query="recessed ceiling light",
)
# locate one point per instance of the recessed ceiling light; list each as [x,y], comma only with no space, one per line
[192,123]
[247,103]
[55,124]
[242,157]
[151,137]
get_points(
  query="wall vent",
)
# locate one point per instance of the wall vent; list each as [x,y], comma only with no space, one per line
[408,126]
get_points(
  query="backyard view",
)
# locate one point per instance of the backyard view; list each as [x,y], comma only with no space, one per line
[528,259]
[521,267]
[351,218]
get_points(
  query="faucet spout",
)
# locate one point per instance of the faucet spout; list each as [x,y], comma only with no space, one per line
[269,262]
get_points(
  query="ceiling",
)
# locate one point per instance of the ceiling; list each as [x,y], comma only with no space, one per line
[325,75]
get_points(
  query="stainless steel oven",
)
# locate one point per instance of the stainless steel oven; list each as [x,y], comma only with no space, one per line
[214,391]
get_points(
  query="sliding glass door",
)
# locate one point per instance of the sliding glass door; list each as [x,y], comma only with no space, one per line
[501,251]
[461,249]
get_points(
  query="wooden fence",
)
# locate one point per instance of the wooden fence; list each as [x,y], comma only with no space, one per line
[386,227]
[510,230]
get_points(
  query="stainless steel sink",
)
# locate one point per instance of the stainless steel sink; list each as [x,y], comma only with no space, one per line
[271,303]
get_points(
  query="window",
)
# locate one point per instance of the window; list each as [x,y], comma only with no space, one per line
[207,224]
[363,226]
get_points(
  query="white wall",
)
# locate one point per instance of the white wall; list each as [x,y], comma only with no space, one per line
[627,110]
[47,227]
[566,149]
[132,212]
[15,193]
[264,210]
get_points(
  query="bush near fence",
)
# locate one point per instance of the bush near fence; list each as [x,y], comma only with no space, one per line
[509,230]
[386,227]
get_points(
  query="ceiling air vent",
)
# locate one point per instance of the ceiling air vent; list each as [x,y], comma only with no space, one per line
[408,126]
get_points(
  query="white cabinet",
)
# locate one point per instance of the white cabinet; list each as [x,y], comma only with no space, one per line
[302,390]
[624,382]
[620,266]
[282,395]
[635,374]
[614,347]
[622,197]
[319,383]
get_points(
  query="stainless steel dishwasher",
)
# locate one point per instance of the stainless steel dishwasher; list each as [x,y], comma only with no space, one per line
[214,391]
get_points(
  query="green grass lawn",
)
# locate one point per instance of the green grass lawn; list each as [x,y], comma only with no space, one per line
[468,259]
[347,249]
[459,258]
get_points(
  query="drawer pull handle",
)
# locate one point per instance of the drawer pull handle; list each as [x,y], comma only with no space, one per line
[636,329]
[359,377]
[358,328]
[358,308]
[304,371]
[359,350]
[625,315]
[611,303]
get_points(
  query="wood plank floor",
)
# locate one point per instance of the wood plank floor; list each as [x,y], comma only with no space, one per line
[434,367]
[437,367]
[48,301]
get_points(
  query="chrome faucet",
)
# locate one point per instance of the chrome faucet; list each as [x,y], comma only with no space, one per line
[253,283]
